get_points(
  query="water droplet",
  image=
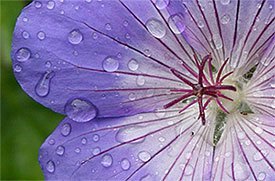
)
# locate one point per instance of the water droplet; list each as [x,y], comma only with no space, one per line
[125,23]
[132,96]
[241,135]
[42,88]
[110,64]
[261,176]
[48,64]
[200,24]
[96,151]
[140,80]
[17,68]
[156,28]
[51,141]
[77,150]
[80,110]
[25,35]
[225,2]
[259,130]
[259,155]
[84,141]
[225,19]
[107,160]
[23,54]
[95,36]
[127,36]
[50,166]
[161,4]
[66,129]
[147,52]
[41,35]
[125,164]
[75,37]
[37,4]
[108,27]
[96,138]
[130,133]
[60,150]
[50,4]
[144,156]
[176,23]
[188,169]
[25,19]
[240,171]
[133,65]
[161,139]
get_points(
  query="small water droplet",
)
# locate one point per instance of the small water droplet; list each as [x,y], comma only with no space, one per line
[96,151]
[25,35]
[259,130]
[42,88]
[259,155]
[23,54]
[17,68]
[144,156]
[133,64]
[132,96]
[96,138]
[140,80]
[77,150]
[25,19]
[200,24]
[147,52]
[225,2]
[75,37]
[48,64]
[50,4]
[176,23]
[125,164]
[241,135]
[50,166]
[125,23]
[161,139]
[80,110]
[66,129]
[51,141]
[225,19]
[60,150]
[108,26]
[261,176]
[88,1]
[37,4]
[156,28]
[107,160]
[84,141]
[161,4]
[110,64]
[41,35]
[130,133]
[95,36]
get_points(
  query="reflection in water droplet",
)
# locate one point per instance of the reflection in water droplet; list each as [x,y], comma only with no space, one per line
[144,156]
[41,35]
[156,28]
[108,27]
[176,23]
[60,150]
[125,164]
[161,4]
[66,129]
[75,37]
[23,54]
[110,64]
[80,110]
[133,65]
[17,68]
[107,160]
[50,166]
[42,88]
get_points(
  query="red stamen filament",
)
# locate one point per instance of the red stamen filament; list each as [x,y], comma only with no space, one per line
[203,88]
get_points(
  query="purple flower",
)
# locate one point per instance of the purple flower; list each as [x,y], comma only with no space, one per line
[152,90]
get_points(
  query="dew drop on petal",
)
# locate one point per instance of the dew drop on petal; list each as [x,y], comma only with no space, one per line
[241,172]
[147,52]
[37,4]
[132,96]
[133,65]
[17,68]
[23,54]
[83,141]
[41,35]
[156,28]
[108,27]
[66,129]
[42,88]
[140,80]
[107,160]
[176,23]
[25,35]
[50,4]
[96,151]
[144,156]
[225,2]
[51,141]
[75,37]
[225,19]
[125,164]
[110,64]
[129,133]
[200,24]
[77,150]
[96,138]
[241,135]
[60,150]
[161,4]
[48,64]
[50,166]
[80,110]
[261,176]
[259,155]
[259,130]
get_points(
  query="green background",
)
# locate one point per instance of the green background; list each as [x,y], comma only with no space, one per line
[25,124]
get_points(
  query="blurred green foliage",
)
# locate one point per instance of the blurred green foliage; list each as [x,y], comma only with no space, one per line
[25,124]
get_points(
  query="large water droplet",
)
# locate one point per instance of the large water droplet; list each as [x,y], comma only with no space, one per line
[133,65]
[66,129]
[110,64]
[50,166]
[75,37]
[42,88]
[176,23]
[161,4]
[225,19]
[125,164]
[41,35]
[60,150]
[156,28]
[23,54]
[130,133]
[107,160]
[144,156]
[80,110]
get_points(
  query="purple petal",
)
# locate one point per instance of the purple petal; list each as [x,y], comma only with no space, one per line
[106,56]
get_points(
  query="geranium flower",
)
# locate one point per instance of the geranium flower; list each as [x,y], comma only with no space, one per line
[152,90]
